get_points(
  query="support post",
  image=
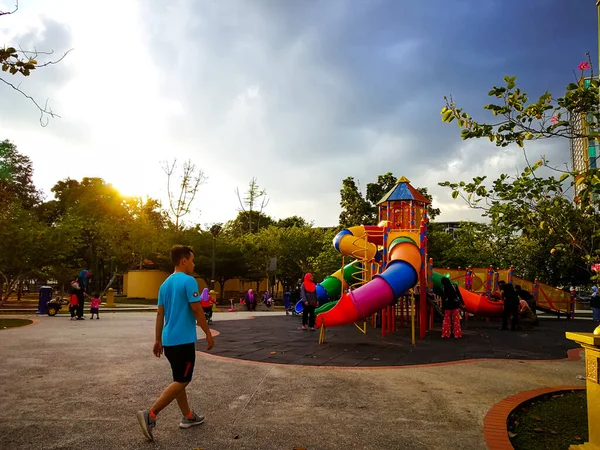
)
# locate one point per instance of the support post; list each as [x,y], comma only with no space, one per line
[591,345]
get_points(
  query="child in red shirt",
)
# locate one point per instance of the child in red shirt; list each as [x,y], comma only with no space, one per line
[74,301]
[95,301]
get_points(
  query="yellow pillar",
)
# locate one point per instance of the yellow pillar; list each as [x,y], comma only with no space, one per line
[591,344]
[110,298]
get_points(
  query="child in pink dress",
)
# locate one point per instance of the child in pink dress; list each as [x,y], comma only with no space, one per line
[95,306]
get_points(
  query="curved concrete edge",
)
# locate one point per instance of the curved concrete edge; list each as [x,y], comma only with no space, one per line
[213,332]
[33,322]
[495,430]
[572,355]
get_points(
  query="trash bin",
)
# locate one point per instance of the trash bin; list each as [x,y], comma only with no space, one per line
[44,297]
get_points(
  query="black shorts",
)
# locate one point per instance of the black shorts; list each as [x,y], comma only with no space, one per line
[182,359]
[93,310]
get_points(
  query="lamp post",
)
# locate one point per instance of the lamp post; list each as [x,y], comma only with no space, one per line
[215,230]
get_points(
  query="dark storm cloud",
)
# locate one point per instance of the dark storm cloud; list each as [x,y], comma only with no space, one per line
[355,87]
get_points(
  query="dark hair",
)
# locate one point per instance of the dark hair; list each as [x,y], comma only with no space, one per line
[448,287]
[178,252]
[507,287]
[501,283]
[517,287]
[95,294]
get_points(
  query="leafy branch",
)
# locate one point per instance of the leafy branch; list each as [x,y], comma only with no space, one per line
[23,62]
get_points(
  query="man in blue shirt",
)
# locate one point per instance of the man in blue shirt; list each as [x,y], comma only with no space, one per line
[179,311]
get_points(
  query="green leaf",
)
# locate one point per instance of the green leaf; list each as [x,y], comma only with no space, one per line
[454,194]
[446,116]
[563,177]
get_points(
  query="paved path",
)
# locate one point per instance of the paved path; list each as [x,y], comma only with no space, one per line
[77,385]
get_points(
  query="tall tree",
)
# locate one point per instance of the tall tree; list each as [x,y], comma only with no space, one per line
[16,172]
[356,210]
[182,192]
[244,220]
[253,203]
[292,221]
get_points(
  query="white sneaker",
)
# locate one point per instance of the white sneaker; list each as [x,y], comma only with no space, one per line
[188,423]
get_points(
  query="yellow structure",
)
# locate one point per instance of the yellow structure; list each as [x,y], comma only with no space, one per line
[591,344]
[146,283]
[110,298]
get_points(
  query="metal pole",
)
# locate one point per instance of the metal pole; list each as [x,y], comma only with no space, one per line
[212,278]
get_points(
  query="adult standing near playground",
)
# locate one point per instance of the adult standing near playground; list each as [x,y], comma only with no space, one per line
[82,281]
[595,304]
[308,292]
[250,300]
[511,306]
[450,304]
[179,311]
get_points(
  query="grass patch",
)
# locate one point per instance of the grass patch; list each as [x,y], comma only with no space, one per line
[550,422]
[13,323]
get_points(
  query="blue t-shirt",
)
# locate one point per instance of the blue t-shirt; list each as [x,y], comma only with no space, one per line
[175,294]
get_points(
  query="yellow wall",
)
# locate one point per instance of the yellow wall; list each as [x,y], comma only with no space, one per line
[146,283]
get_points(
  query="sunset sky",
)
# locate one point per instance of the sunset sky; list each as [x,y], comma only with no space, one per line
[299,94]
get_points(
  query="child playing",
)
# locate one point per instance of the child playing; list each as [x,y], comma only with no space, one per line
[206,301]
[95,301]
[74,301]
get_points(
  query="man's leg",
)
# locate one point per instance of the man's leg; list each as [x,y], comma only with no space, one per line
[515,317]
[171,393]
[505,314]
[182,402]
[80,308]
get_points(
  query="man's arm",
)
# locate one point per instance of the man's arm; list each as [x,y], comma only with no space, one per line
[160,321]
[202,323]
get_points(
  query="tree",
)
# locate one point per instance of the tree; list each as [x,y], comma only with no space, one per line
[16,172]
[376,191]
[537,205]
[229,260]
[432,212]
[24,247]
[181,200]
[254,197]
[328,260]
[244,220]
[292,221]
[355,209]
[21,63]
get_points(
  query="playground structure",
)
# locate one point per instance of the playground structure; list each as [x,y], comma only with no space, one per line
[391,277]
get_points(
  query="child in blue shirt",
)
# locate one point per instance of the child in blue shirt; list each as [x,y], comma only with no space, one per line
[179,311]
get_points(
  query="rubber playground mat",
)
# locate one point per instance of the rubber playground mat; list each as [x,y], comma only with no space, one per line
[280,340]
